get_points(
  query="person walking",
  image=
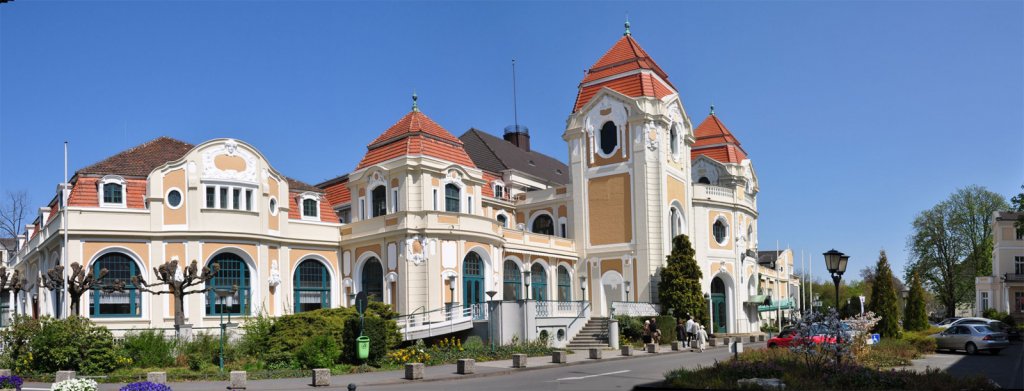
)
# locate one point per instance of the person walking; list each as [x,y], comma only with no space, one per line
[690,330]
[702,338]
[655,332]
[646,333]
[681,333]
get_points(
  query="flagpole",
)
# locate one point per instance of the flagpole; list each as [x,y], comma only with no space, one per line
[64,224]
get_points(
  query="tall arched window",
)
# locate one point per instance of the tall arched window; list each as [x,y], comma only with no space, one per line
[379,205]
[373,280]
[609,137]
[543,225]
[472,279]
[312,286]
[513,281]
[675,220]
[538,283]
[451,198]
[233,271]
[116,304]
[720,231]
[673,140]
[564,284]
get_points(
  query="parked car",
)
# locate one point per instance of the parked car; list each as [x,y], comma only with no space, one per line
[786,337]
[971,338]
[968,320]
[946,322]
[1011,332]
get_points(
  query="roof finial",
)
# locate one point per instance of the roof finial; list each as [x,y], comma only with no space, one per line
[712,109]
[627,25]
[415,107]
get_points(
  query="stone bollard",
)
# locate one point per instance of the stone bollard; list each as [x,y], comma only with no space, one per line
[157,377]
[677,345]
[465,366]
[518,361]
[414,371]
[559,357]
[753,338]
[725,341]
[64,375]
[627,350]
[595,353]
[321,377]
[652,348]
[712,342]
[238,380]
[760,338]
[5,372]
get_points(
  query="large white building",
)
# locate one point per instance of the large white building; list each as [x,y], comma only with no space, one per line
[428,220]
[1004,289]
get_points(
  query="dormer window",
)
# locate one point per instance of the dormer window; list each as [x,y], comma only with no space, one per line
[310,206]
[112,189]
[499,191]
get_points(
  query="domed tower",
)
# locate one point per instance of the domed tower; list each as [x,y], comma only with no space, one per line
[629,144]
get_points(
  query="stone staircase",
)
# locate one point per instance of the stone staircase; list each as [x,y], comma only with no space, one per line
[593,335]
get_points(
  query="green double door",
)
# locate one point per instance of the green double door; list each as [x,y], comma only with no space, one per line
[718,317]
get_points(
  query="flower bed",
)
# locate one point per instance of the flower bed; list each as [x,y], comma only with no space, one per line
[11,383]
[145,386]
[75,385]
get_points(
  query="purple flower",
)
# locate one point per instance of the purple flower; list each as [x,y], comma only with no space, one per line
[13,381]
[146,386]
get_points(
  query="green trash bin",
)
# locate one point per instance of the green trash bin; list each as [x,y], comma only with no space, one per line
[363,347]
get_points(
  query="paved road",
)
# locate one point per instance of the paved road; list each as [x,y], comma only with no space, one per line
[1007,368]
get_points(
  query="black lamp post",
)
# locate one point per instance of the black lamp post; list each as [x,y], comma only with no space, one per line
[835,262]
[526,280]
[583,286]
[451,301]
[627,291]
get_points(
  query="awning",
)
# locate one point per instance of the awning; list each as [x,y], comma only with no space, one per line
[759,300]
[784,304]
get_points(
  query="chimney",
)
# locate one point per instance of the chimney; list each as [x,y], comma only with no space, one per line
[518,135]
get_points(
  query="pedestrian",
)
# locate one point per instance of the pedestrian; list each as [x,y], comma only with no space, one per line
[702,338]
[681,333]
[646,333]
[690,330]
[655,332]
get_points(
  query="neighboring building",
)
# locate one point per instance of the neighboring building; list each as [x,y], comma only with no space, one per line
[427,220]
[1004,289]
[779,289]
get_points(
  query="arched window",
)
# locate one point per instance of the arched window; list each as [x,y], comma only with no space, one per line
[704,180]
[675,222]
[312,286]
[609,137]
[310,208]
[543,225]
[720,231]
[673,141]
[379,204]
[373,280]
[564,284]
[451,198]
[538,283]
[116,304]
[513,281]
[233,271]
[472,279]
[503,221]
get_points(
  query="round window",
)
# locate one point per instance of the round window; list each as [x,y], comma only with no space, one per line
[174,198]
[273,205]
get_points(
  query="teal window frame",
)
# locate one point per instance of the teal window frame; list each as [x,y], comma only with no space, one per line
[452,195]
[305,280]
[232,269]
[113,193]
[512,280]
[564,284]
[115,272]
[371,290]
[538,282]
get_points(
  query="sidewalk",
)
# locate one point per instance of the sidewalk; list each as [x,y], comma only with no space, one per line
[430,373]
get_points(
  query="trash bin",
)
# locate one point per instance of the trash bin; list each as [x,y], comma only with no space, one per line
[363,347]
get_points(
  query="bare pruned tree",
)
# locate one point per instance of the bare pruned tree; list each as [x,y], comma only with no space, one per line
[11,282]
[13,213]
[177,283]
[79,282]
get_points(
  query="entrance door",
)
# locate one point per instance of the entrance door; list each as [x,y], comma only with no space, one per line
[611,290]
[472,280]
[718,307]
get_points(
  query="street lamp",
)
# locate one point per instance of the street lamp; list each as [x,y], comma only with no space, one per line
[583,286]
[835,262]
[526,279]
[627,290]
[451,301]
[225,298]
[711,318]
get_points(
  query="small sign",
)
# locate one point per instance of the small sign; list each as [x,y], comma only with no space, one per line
[875,338]
[361,302]
[736,347]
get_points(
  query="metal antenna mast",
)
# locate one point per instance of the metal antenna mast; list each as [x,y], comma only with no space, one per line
[515,103]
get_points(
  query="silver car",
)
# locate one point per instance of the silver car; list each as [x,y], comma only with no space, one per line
[971,338]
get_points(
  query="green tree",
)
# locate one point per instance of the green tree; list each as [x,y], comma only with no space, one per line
[679,290]
[883,299]
[915,316]
[951,244]
[1017,203]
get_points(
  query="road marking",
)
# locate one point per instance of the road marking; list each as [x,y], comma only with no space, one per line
[34,389]
[589,376]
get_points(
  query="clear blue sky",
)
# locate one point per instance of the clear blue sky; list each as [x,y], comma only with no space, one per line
[857,115]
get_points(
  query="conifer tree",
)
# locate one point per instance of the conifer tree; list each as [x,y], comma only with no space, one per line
[679,290]
[915,316]
[883,299]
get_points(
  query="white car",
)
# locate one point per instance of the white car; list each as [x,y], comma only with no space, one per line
[962,321]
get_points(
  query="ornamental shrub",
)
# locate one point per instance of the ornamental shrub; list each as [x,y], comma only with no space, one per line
[148,349]
[75,385]
[632,327]
[321,351]
[667,326]
[679,290]
[74,343]
[915,315]
[383,333]
[17,354]
[14,382]
[145,386]
[883,300]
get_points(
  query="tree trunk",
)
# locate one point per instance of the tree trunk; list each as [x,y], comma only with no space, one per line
[74,306]
[179,309]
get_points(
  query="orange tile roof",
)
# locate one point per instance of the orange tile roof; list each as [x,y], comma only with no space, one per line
[415,134]
[625,56]
[715,141]
[338,193]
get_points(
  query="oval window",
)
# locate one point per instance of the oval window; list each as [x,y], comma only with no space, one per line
[273,205]
[174,198]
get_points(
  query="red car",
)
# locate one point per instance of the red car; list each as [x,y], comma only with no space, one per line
[785,338]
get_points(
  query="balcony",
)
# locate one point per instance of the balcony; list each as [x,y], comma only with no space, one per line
[1014,277]
[517,240]
[703,192]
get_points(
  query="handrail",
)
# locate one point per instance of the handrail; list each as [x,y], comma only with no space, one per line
[586,306]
